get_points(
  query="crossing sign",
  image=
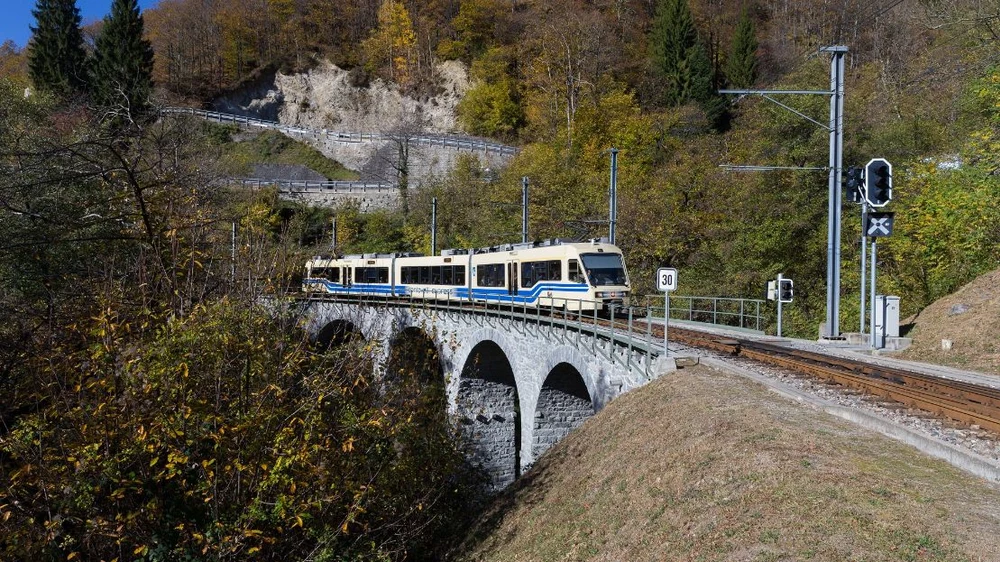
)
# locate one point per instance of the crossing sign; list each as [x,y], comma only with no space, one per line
[878,224]
[666,279]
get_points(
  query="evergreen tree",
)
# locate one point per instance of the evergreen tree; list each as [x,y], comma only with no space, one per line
[57,62]
[123,62]
[681,58]
[678,55]
[741,64]
[673,35]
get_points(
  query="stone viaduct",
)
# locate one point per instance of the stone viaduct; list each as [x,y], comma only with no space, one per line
[516,383]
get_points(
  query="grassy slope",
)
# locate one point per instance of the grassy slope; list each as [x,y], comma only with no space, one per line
[705,466]
[973,332]
[271,147]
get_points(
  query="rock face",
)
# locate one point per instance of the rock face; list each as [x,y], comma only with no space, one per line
[326,98]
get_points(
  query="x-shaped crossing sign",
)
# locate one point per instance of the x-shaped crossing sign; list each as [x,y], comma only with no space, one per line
[878,224]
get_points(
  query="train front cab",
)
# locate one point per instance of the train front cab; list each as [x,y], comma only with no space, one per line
[608,280]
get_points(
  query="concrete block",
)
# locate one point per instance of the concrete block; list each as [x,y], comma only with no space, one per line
[663,365]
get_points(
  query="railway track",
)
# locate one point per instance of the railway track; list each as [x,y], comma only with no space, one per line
[960,401]
[963,402]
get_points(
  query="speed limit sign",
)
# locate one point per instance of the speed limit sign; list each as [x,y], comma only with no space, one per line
[666,279]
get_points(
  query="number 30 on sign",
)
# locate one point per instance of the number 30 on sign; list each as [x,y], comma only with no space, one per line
[666,279]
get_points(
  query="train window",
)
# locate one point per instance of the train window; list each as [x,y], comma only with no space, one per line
[490,275]
[425,275]
[460,275]
[372,274]
[436,275]
[328,273]
[533,272]
[604,269]
[574,272]
[447,275]
[406,275]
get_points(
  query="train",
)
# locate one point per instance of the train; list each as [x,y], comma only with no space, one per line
[577,276]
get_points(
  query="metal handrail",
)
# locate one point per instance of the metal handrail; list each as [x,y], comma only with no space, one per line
[722,311]
[627,338]
[460,143]
[299,186]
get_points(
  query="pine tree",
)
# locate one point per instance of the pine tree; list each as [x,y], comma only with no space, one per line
[123,62]
[57,62]
[741,64]
[678,55]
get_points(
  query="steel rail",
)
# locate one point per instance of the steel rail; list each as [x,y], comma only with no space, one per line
[960,401]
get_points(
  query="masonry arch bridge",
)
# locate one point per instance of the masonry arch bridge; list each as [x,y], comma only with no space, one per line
[516,382]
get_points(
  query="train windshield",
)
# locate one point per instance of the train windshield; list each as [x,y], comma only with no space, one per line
[604,269]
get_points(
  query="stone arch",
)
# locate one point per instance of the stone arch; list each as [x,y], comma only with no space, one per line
[415,346]
[563,404]
[488,405]
[337,332]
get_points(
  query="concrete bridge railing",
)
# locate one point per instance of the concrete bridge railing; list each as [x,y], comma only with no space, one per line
[517,379]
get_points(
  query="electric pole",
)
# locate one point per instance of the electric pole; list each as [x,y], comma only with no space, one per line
[524,209]
[613,197]
[835,126]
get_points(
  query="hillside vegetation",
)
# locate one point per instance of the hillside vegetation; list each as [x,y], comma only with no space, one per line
[240,151]
[152,408]
[701,465]
[569,80]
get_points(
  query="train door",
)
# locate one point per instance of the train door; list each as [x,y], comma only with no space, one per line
[348,278]
[512,280]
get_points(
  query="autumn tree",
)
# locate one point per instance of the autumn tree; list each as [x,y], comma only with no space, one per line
[476,25]
[123,63]
[57,62]
[492,105]
[390,46]
[13,62]
[572,50]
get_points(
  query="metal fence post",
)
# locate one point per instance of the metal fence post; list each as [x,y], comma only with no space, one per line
[649,325]
[593,333]
[629,358]
[579,321]
[565,320]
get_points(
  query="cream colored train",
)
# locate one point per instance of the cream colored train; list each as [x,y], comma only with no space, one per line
[575,275]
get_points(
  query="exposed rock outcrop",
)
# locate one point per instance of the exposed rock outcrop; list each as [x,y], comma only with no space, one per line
[327,98]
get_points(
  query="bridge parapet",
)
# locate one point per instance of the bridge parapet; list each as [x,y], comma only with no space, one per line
[518,380]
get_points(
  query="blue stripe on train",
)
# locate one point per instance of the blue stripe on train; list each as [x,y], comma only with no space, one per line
[494,293]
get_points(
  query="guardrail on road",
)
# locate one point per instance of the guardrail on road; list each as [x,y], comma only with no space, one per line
[310,186]
[449,141]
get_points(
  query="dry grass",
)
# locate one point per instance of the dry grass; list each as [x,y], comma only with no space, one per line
[702,465]
[976,345]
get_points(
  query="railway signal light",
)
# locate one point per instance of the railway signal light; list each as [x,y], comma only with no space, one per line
[878,182]
[785,290]
[855,184]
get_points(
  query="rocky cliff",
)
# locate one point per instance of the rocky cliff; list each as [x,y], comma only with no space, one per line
[331,98]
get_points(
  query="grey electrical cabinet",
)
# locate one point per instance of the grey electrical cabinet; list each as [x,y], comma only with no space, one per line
[887,315]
